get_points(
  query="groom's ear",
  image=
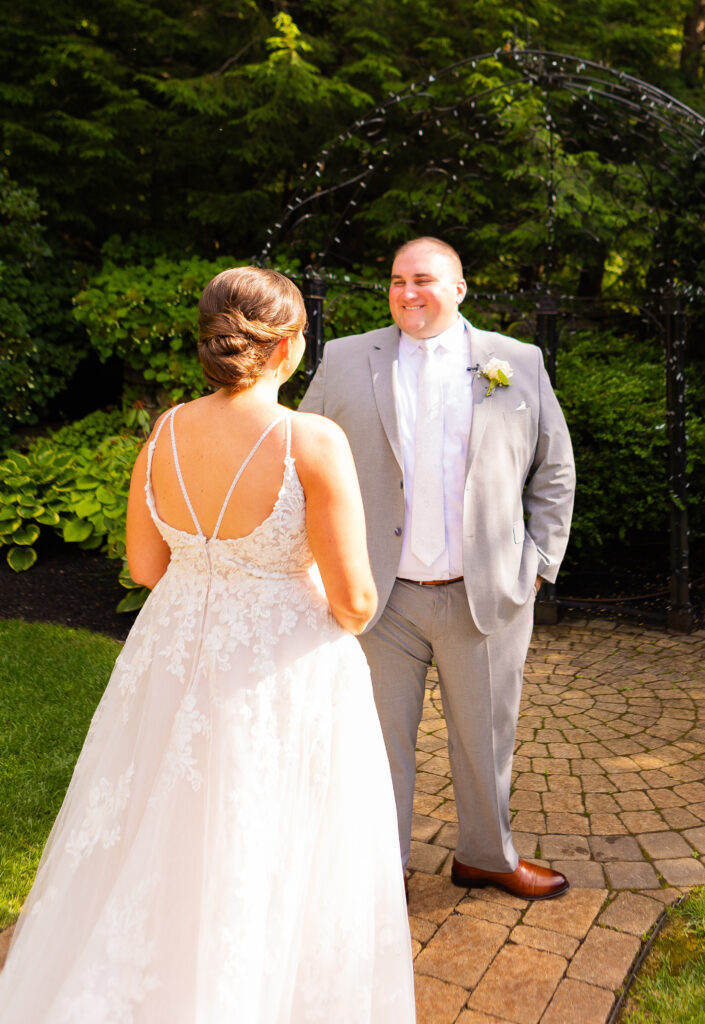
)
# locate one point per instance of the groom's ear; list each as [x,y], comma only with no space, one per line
[461,290]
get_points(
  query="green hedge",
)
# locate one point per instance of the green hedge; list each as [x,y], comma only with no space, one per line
[146,314]
[74,482]
[613,393]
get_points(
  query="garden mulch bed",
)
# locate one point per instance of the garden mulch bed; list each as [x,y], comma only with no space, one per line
[80,589]
[68,586]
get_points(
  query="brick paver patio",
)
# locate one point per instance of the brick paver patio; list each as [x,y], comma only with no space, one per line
[609,788]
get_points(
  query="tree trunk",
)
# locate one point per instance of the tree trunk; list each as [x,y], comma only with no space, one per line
[693,40]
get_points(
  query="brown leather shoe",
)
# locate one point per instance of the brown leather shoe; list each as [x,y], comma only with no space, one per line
[528,881]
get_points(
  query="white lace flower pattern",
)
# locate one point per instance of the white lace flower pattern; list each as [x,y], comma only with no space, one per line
[100,824]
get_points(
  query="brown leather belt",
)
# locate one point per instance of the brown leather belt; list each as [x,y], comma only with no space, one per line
[432,583]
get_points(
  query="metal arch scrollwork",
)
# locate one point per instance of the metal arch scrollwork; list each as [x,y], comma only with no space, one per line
[423,162]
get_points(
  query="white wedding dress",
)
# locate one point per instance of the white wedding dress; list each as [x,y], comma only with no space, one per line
[227,851]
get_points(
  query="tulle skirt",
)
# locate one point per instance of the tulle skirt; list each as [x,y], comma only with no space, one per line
[227,850]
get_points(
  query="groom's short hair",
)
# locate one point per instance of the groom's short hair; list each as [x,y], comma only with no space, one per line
[433,243]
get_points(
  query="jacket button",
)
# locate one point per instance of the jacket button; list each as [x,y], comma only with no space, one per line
[397,531]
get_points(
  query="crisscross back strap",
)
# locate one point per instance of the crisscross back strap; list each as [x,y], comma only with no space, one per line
[245,464]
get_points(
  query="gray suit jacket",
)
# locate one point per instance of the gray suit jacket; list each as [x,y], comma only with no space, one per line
[520,477]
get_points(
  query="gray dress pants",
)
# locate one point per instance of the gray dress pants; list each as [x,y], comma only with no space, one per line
[480,682]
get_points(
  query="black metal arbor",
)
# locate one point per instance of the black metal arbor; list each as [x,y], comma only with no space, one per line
[577,163]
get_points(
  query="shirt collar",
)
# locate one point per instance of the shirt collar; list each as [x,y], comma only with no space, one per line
[452,339]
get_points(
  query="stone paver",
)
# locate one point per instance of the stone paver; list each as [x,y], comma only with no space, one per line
[572,914]
[583,874]
[475,1017]
[542,938]
[631,913]
[604,958]
[696,837]
[663,845]
[519,984]
[608,787]
[565,848]
[615,848]
[461,950]
[437,1002]
[5,938]
[577,1003]
[683,871]
[631,875]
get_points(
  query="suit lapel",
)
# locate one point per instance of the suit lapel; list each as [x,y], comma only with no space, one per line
[483,408]
[384,362]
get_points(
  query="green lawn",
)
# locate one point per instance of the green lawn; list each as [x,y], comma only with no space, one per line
[51,679]
[670,986]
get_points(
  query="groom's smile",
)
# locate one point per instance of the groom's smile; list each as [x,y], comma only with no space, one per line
[425,290]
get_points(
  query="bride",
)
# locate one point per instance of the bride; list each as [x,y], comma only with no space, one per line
[227,850]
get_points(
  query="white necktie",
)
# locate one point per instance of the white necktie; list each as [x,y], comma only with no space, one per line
[428,538]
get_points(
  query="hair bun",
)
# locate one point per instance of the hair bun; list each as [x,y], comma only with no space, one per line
[243,315]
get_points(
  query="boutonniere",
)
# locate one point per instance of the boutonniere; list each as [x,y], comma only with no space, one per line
[498,372]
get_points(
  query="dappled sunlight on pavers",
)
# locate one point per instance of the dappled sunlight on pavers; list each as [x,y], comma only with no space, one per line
[609,788]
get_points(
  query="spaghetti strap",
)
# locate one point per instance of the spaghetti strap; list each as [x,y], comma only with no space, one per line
[244,466]
[287,421]
[151,447]
[169,415]
[181,479]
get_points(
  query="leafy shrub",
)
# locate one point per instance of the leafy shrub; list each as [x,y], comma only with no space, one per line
[146,314]
[76,482]
[613,393]
[354,309]
[91,430]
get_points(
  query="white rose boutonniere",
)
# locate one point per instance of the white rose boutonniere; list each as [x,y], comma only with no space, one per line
[499,373]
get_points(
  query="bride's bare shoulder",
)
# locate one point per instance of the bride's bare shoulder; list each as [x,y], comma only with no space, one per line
[316,441]
[185,411]
[310,429]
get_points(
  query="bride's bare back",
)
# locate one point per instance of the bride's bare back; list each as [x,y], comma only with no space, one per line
[250,342]
[212,443]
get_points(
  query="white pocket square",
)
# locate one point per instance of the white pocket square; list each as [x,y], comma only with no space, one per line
[520,407]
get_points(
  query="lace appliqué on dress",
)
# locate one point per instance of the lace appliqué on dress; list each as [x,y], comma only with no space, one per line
[108,989]
[100,822]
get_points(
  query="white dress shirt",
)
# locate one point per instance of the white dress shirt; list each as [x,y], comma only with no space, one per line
[454,352]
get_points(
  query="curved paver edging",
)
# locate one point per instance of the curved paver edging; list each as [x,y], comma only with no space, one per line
[645,950]
[609,788]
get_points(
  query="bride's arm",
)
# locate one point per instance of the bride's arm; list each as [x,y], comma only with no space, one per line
[147,552]
[335,519]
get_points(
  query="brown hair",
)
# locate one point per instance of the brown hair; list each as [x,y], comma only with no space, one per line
[433,243]
[242,316]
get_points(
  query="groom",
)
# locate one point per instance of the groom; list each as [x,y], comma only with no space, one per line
[467,476]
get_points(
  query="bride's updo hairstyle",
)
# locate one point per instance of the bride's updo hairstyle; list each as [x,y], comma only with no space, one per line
[242,316]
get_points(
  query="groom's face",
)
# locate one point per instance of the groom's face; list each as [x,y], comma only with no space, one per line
[425,290]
